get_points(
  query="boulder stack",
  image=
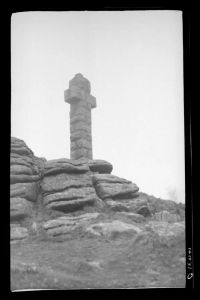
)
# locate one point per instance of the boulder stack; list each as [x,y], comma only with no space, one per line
[25,174]
[67,186]
[18,233]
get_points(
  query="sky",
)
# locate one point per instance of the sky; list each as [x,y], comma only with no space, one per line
[134,62]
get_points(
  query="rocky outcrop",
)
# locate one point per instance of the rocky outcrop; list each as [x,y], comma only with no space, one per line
[27,190]
[25,173]
[24,166]
[51,198]
[20,208]
[18,233]
[62,226]
[109,186]
[67,185]
[135,205]
[19,147]
[88,223]
[122,224]
[64,165]
[120,194]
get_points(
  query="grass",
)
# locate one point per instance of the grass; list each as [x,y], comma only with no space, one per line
[84,262]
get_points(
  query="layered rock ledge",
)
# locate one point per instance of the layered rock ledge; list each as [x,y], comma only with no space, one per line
[67,185]
[18,233]
[20,208]
[111,186]
[26,171]
[62,226]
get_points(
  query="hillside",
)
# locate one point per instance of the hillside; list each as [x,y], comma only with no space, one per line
[74,225]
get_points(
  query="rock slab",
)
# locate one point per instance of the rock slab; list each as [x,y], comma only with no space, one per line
[100,166]
[67,224]
[20,208]
[113,187]
[27,190]
[18,233]
[67,186]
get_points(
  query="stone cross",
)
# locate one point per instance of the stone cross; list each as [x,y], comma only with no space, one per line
[81,102]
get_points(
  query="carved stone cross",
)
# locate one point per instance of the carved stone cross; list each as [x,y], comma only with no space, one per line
[81,102]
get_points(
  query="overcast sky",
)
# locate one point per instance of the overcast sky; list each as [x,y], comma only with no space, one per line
[134,61]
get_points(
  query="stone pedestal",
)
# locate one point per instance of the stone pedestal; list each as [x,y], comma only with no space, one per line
[81,102]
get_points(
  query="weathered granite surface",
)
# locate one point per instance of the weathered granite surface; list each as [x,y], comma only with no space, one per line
[67,185]
[26,170]
[20,208]
[18,233]
[111,186]
[67,224]
[100,166]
